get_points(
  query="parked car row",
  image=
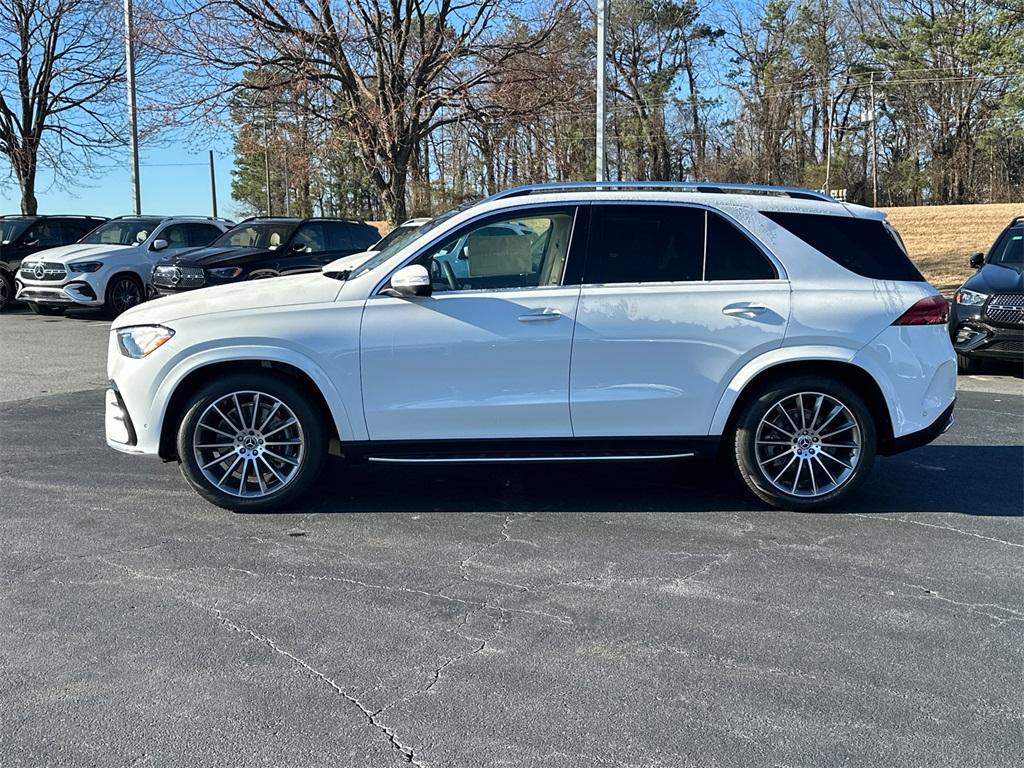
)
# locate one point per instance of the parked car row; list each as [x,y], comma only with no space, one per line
[56,262]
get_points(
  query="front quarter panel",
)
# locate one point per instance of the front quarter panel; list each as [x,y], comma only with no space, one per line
[320,340]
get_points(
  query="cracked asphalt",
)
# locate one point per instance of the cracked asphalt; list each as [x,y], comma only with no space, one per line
[536,616]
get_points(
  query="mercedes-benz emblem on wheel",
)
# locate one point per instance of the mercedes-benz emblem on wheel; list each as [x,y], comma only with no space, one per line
[40,271]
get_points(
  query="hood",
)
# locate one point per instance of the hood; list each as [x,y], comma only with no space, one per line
[347,263]
[997,278]
[295,290]
[75,252]
[222,255]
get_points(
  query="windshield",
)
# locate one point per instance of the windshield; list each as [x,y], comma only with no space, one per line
[1010,252]
[12,228]
[257,234]
[397,236]
[121,232]
[398,245]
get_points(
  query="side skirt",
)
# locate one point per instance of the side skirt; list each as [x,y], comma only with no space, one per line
[530,450]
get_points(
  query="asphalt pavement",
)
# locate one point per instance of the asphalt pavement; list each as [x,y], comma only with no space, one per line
[614,615]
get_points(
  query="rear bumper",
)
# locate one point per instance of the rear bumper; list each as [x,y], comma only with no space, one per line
[922,437]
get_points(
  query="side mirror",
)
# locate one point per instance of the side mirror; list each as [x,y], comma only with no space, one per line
[413,280]
[298,247]
[978,260]
[158,245]
[30,242]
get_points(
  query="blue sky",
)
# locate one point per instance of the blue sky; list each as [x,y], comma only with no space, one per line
[175,180]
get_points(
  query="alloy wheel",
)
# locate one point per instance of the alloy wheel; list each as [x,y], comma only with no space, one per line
[248,444]
[808,444]
[125,294]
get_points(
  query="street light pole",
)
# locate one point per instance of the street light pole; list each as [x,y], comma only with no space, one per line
[874,146]
[133,139]
[213,186]
[602,18]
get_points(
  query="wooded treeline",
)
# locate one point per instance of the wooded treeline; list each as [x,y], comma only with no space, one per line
[391,108]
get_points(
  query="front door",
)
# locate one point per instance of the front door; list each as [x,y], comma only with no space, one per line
[675,301]
[487,354]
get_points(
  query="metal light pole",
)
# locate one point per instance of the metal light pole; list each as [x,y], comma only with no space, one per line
[266,164]
[602,18]
[129,55]
[213,186]
[874,146]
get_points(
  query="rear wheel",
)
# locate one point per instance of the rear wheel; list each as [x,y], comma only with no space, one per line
[967,365]
[804,443]
[123,293]
[251,442]
[6,290]
[45,309]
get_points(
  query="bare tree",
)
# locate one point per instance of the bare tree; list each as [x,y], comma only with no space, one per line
[61,71]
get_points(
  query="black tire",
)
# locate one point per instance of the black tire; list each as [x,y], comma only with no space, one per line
[45,309]
[755,409]
[269,385]
[6,290]
[966,365]
[123,293]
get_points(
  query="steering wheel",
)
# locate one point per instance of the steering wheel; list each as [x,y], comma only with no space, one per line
[448,272]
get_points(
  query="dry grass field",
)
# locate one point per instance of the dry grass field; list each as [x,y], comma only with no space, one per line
[941,238]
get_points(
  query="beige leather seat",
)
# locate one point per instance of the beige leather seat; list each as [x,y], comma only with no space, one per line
[498,255]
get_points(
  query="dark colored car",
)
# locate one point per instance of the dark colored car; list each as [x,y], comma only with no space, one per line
[986,319]
[263,247]
[21,236]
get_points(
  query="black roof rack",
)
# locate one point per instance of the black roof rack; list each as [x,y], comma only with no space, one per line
[713,187]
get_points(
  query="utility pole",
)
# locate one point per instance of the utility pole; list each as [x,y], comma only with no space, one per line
[828,141]
[602,18]
[133,136]
[874,146]
[266,164]
[213,186]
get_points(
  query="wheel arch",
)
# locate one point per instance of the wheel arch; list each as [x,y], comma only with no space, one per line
[745,386]
[204,372]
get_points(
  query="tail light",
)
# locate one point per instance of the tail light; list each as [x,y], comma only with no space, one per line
[933,310]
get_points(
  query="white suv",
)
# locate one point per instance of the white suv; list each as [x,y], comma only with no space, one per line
[601,322]
[111,266]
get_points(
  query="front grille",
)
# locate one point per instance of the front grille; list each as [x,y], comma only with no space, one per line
[43,270]
[179,277]
[1006,308]
[1005,346]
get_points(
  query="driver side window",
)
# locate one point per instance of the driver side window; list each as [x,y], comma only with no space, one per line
[523,250]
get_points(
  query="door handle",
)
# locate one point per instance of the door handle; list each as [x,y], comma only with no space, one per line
[744,309]
[540,314]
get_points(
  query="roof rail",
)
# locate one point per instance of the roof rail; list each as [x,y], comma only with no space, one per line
[1016,220]
[713,187]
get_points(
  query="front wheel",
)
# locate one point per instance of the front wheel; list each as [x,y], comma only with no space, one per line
[251,442]
[45,309]
[123,293]
[804,443]
[6,290]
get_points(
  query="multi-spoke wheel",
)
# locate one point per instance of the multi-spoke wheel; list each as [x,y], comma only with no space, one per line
[251,442]
[6,289]
[123,293]
[804,443]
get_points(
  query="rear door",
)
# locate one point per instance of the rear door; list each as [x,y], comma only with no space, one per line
[675,300]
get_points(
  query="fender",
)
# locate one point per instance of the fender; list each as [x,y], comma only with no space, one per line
[179,368]
[801,354]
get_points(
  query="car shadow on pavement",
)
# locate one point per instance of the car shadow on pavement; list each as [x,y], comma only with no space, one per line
[972,480]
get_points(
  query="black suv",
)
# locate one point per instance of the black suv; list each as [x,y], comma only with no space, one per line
[263,247]
[21,236]
[986,319]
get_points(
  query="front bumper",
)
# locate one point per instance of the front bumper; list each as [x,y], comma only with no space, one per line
[118,426]
[74,293]
[976,338]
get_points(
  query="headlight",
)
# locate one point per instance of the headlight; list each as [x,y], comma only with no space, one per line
[85,266]
[970,298]
[139,340]
[225,273]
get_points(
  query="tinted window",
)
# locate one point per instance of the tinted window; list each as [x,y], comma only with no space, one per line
[863,246]
[1010,248]
[523,250]
[645,244]
[257,234]
[11,228]
[76,229]
[313,237]
[46,234]
[732,256]
[202,234]
[363,236]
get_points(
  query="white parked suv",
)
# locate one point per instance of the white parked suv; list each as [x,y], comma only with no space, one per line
[778,329]
[111,266]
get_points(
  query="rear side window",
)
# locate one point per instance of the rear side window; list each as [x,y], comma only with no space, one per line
[363,236]
[863,246]
[732,256]
[75,229]
[646,244]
